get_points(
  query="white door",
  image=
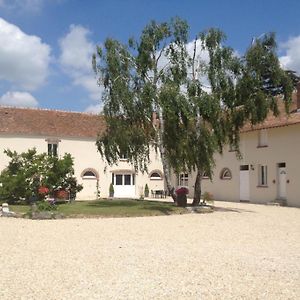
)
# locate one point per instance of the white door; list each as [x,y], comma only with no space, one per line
[89,191]
[282,183]
[244,183]
[124,185]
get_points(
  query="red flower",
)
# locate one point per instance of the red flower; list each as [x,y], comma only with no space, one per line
[43,190]
[61,194]
[182,191]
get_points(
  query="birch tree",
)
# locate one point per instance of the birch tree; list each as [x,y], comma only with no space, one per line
[158,94]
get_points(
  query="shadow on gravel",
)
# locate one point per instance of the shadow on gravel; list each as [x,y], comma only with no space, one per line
[236,210]
[163,210]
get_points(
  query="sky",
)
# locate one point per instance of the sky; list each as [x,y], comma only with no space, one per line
[46,45]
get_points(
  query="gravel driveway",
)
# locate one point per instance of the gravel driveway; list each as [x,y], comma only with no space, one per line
[242,251]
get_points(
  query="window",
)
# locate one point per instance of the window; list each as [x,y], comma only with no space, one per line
[123,156]
[52,149]
[225,174]
[233,148]
[263,175]
[127,179]
[184,179]
[263,138]
[119,179]
[89,174]
[244,168]
[205,175]
[155,175]
[123,179]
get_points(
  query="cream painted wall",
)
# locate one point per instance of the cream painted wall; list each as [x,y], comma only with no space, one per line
[85,156]
[283,146]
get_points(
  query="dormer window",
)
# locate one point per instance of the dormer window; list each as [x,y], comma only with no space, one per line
[263,138]
[123,156]
[52,147]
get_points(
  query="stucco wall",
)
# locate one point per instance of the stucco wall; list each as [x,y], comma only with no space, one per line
[283,147]
[85,156]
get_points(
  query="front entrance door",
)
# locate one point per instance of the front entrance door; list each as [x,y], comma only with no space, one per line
[281,181]
[244,183]
[124,185]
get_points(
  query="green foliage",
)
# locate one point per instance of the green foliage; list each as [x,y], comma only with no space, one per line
[46,206]
[207,197]
[146,191]
[157,73]
[111,190]
[98,189]
[28,171]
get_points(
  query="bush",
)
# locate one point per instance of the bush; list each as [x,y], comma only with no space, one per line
[146,191]
[111,190]
[31,176]
[208,197]
[46,206]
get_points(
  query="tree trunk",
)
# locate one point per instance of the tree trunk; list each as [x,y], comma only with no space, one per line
[197,189]
[166,167]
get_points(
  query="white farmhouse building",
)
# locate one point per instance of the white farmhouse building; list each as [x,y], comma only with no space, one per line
[60,132]
[269,170]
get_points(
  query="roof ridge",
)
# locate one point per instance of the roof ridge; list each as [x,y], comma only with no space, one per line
[47,109]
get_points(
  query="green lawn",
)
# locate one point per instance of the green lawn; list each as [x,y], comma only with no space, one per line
[112,208]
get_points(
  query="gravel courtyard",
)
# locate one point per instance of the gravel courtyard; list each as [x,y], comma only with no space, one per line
[242,251]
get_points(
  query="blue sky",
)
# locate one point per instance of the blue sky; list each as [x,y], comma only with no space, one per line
[46,45]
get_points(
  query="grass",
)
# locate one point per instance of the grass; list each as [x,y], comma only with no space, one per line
[111,208]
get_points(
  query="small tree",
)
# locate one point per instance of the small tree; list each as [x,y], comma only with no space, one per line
[111,190]
[146,191]
[32,176]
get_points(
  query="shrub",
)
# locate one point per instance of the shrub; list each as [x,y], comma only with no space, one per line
[146,191]
[46,206]
[31,176]
[208,197]
[111,190]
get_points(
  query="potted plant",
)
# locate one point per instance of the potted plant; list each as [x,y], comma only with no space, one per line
[146,191]
[111,190]
[181,193]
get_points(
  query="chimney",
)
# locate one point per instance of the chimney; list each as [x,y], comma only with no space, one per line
[298,96]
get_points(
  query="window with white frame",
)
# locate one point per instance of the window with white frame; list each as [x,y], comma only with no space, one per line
[183,179]
[53,148]
[263,138]
[262,175]
[123,155]
[123,179]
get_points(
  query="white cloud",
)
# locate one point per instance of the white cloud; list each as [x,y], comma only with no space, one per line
[291,59]
[24,59]
[76,59]
[94,109]
[24,5]
[22,99]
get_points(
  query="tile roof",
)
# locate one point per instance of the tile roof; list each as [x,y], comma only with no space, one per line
[29,121]
[283,119]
